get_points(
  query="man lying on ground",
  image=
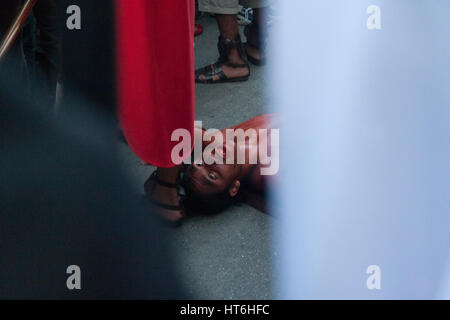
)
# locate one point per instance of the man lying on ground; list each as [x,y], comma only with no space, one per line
[237,164]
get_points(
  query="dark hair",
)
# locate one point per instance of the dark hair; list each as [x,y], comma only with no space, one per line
[207,203]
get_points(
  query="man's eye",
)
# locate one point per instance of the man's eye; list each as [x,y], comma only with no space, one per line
[212,176]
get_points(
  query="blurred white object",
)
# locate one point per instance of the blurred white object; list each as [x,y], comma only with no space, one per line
[365,155]
[245,15]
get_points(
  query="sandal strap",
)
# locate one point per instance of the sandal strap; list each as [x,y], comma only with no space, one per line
[153,178]
[209,77]
[207,69]
[225,45]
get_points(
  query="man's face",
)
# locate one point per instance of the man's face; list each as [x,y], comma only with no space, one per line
[209,179]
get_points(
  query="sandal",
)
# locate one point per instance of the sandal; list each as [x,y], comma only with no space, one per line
[149,188]
[260,45]
[209,72]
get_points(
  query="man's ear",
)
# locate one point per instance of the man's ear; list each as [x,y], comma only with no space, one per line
[234,189]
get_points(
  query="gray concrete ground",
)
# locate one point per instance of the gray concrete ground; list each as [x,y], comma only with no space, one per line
[226,256]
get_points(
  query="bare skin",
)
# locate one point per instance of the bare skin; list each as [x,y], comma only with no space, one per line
[240,174]
[216,177]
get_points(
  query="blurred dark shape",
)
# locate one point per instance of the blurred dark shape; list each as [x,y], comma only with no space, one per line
[41,36]
[34,55]
[89,54]
[13,65]
[64,199]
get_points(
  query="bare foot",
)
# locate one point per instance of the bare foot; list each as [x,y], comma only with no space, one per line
[253,52]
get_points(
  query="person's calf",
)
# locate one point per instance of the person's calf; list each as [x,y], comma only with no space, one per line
[228,25]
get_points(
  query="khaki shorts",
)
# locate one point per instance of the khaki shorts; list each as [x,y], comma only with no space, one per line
[230,6]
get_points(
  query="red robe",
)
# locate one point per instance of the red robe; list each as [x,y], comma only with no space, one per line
[155,63]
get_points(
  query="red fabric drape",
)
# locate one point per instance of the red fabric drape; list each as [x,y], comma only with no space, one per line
[155,64]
